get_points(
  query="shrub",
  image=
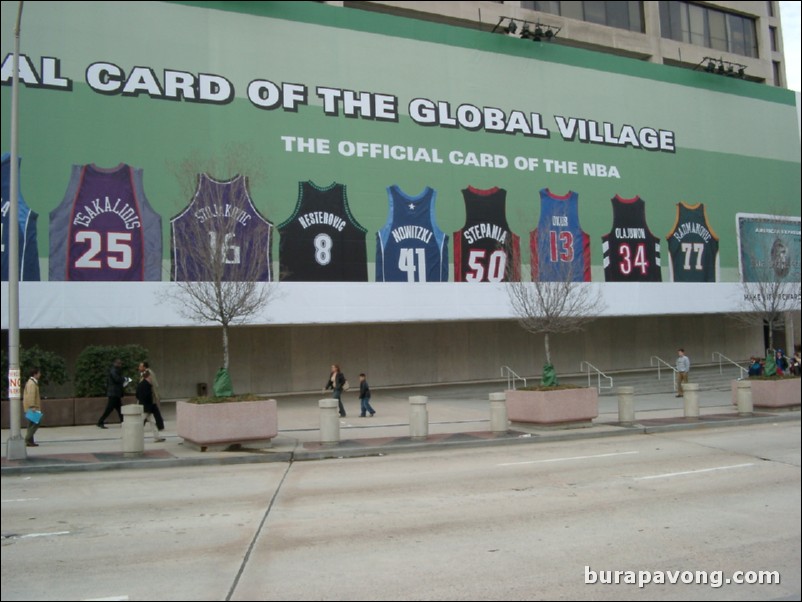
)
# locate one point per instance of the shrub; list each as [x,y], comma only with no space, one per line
[52,365]
[94,362]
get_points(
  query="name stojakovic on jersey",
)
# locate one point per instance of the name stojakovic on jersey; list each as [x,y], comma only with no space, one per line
[230,211]
[478,231]
[630,233]
[407,232]
[322,218]
[98,207]
[692,228]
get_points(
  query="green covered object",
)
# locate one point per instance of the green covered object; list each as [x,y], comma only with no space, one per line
[770,367]
[549,378]
[222,384]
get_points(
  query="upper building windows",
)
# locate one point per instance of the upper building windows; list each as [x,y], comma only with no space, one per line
[703,26]
[624,15]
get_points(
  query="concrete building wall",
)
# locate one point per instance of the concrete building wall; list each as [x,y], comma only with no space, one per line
[647,45]
[273,359]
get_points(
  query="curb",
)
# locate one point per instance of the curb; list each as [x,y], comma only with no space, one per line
[348,449]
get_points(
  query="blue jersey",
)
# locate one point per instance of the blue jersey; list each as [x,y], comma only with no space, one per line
[560,249]
[410,247]
[26,222]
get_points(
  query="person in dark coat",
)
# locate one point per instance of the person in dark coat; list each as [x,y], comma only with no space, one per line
[144,395]
[114,390]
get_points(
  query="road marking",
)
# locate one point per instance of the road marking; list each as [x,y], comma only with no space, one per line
[686,472]
[570,458]
[24,499]
[52,534]
[110,598]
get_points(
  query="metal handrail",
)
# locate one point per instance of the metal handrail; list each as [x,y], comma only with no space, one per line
[512,377]
[599,375]
[721,356]
[660,360]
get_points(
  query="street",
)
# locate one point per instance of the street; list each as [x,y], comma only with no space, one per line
[516,522]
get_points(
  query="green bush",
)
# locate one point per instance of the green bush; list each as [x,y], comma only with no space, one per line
[94,363]
[52,365]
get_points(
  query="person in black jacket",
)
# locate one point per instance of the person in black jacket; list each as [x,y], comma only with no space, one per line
[144,395]
[114,390]
[364,397]
[337,382]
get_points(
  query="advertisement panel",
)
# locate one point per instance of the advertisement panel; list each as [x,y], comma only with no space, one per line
[377,149]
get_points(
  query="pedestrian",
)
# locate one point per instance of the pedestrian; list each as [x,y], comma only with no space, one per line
[114,390]
[364,397]
[144,395]
[157,399]
[683,367]
[31,402]
[337,383]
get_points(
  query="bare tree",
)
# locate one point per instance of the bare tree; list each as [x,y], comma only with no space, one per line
[557,306]
[770,276]
[221,260]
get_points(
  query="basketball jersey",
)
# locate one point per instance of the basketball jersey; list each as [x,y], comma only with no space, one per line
[321,241]
[631,253]
[410,247]
[105,229]
[693,245]
[221,229]
[485,249]
[26,224]
[560,250]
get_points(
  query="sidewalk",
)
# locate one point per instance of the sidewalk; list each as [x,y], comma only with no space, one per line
[459,416]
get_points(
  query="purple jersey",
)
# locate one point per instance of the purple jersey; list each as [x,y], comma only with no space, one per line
[221,218]
[105,229]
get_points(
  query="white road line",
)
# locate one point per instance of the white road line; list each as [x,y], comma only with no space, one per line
[24,499]
[30,535]
[701,470]
[570,458]
[110,599]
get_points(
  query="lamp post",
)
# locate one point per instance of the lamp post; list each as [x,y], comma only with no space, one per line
[15,447]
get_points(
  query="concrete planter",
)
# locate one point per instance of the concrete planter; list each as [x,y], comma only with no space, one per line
[779,393]
[561,407]
[223,425]
[89,409]
[56,411]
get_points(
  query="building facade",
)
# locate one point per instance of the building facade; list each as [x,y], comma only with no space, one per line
[397,172]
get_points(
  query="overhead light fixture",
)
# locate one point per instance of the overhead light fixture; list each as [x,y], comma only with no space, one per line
[530,30]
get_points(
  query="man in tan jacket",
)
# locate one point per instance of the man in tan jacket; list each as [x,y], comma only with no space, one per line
[31,401]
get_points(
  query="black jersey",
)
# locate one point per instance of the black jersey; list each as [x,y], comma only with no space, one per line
[321,241]
[693,245]
[631,253]
[485,249]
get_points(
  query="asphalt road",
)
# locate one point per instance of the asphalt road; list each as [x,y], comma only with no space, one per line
[515,523]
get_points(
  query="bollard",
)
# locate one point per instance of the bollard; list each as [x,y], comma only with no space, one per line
[133,430]
[498,413]
[626,405]
[743,398]
[329,420]
[418,417]
[691,398]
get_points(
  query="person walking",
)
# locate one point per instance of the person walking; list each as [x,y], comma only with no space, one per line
[32,401]
[145,394]
[364,397]
[157,424]
[336,382]
[683,367]
[114,390]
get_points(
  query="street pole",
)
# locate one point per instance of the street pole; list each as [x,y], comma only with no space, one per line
[15,447]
